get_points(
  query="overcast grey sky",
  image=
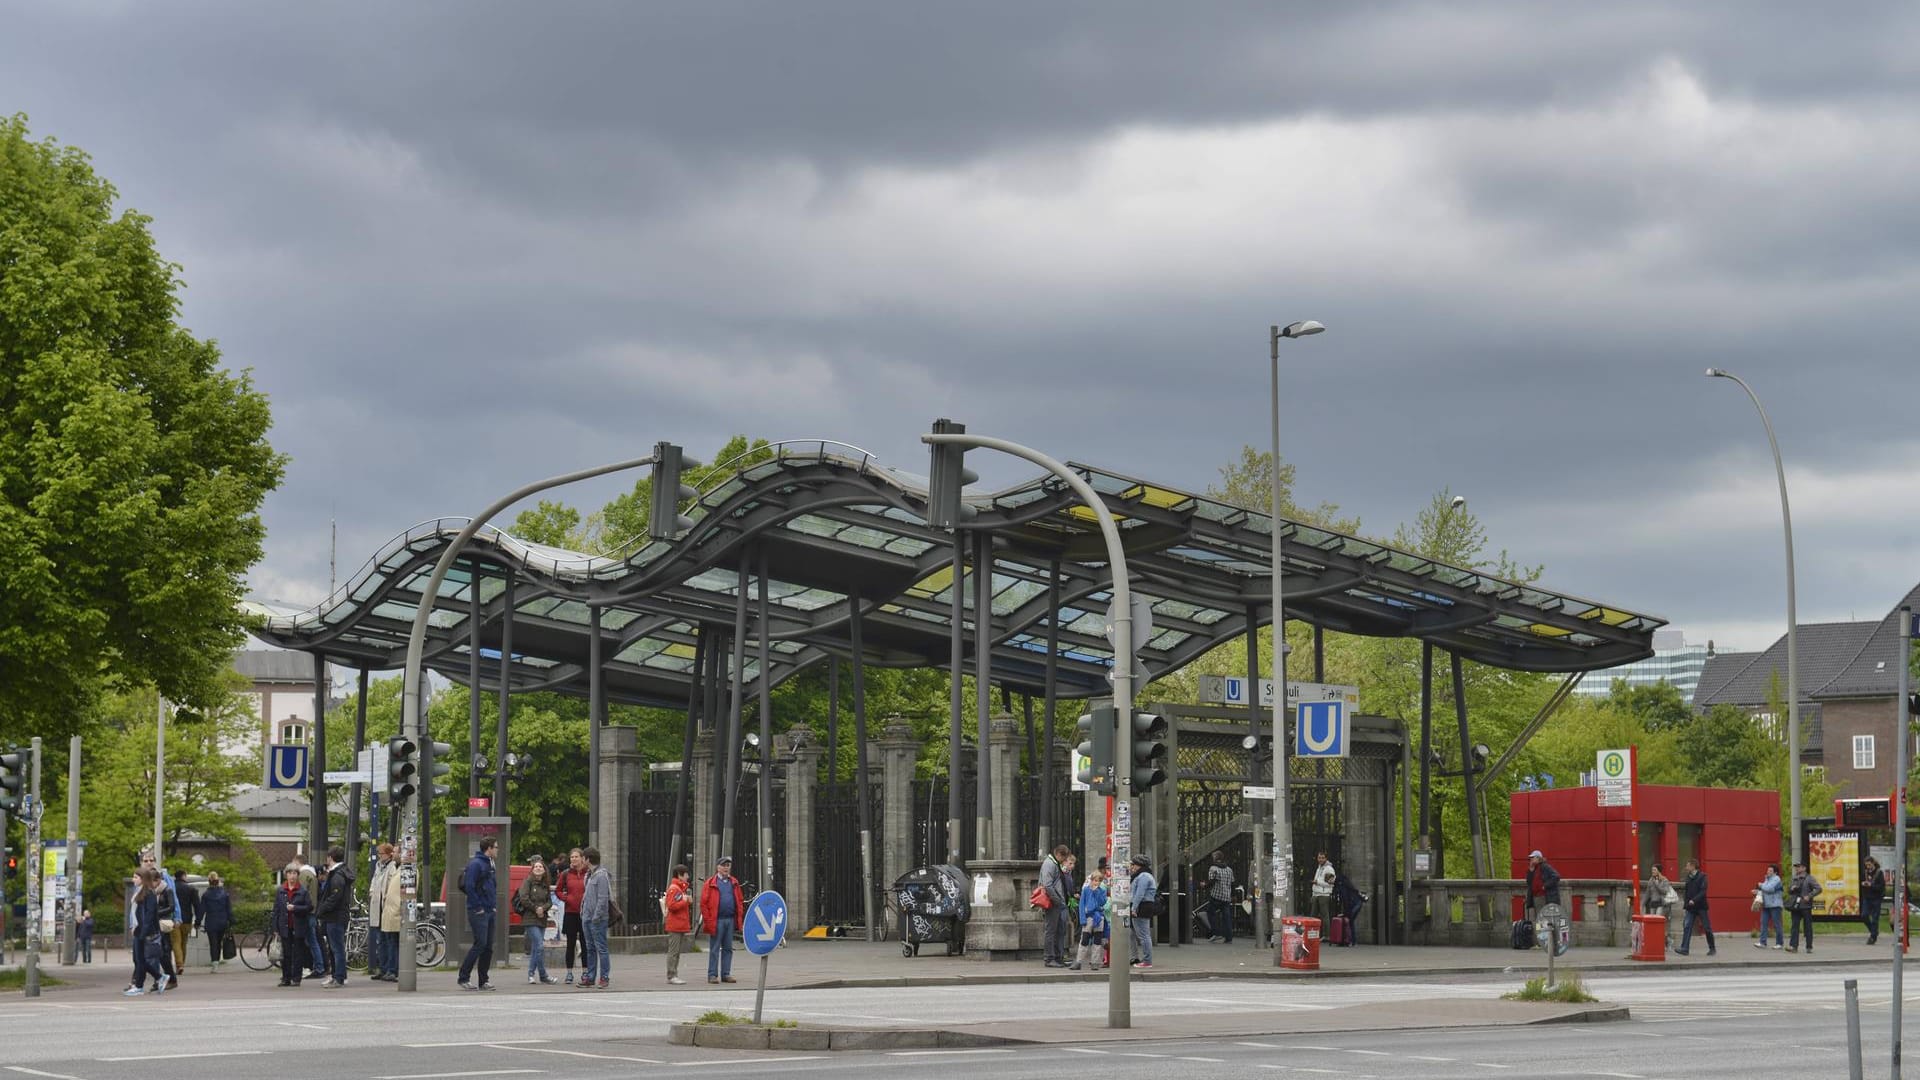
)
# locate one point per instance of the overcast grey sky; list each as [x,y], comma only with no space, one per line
[467,245]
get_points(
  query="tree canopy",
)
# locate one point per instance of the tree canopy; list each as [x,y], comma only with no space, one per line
[132,464]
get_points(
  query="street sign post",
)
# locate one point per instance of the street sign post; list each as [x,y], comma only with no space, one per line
[1613,777]
[286,767]
[763,929]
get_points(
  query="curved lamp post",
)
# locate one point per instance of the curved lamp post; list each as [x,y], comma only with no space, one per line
[1282,859]
[1793,623]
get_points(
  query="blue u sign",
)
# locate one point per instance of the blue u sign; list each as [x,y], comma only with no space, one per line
[286,766]
[1322,730]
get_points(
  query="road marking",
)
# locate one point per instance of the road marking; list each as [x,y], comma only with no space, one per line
[1262,1046]
[169,1057]
[1624,1076]
[1084,1050]
[1490,1065]
[450,1075]
[446,1076]
[570,1053]
[1124,1053]
[1417,1057]
[1375,1053]
[1211,1061]
[937,1053]
[289,1023]
[37,1072]
[469,1042]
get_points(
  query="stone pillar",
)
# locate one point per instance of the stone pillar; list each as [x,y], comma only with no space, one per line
[1361,851]
[1003,749]
[803,779]
[701,857]
[621,768]
[899,752]
[1005,928]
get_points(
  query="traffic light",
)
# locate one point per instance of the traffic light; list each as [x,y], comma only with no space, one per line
[10,763]
[947,474]
[1096,744]
[664,520]
[403,769]
[432,767]
[1148,754]
[1913,703]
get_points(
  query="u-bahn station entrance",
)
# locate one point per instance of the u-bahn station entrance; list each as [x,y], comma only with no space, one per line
[821,557]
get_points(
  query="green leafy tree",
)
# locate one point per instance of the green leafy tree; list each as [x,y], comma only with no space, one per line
[132,465]
[1247,482]
[202,776]
[1660,707]
[1725,748]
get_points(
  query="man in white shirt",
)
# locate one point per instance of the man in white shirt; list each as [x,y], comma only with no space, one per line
[1323,891]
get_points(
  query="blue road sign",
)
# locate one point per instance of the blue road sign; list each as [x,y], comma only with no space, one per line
[766,923]
[286,766]
[1321,731]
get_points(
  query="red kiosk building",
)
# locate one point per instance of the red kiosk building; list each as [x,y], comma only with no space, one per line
[1733,833]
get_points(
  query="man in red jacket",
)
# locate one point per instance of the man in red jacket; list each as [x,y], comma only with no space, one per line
[570,889]
[679,905]
[722,903]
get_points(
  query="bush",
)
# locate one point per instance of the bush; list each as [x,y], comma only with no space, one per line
[1569,990]
[16,979]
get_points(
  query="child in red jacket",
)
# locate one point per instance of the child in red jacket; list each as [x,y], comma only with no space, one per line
[679,908]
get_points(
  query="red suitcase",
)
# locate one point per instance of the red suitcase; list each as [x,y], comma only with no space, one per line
[1341,932]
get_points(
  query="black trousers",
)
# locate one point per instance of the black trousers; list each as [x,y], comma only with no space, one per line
[570,926]
[293,956]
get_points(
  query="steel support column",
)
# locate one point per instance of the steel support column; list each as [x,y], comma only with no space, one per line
[475,616]
[982,692]
[596,721]
[498,806]
[1426,750]
[696,688]
[956,699]
[316,766]
[1256,862]
[769,878]
[353,792]
[833,714]
[1051,691]
[1474,824]
[862,779]
[735,704]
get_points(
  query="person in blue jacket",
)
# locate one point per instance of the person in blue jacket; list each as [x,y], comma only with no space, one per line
[145,911]
[1771,890]
[216,914]
[1093,922]
[477,881]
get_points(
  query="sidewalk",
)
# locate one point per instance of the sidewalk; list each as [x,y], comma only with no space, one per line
[805,964]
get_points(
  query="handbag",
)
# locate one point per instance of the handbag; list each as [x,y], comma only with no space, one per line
[1039,898]
[228,950]
[1758,903]
[166,926]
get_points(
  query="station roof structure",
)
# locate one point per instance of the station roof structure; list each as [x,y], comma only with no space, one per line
[837,529]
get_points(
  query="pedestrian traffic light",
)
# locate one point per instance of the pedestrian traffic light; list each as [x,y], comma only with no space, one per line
[664,520]
[1096,748]
[10,763]
[946,476]
[403,769]
[1913,703]
[432,767]
[1148,753]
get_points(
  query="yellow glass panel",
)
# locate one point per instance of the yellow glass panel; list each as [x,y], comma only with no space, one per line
[933,584]
[1544,630]
[1608,616]
[685,652]
[1161,498]
[1086,514]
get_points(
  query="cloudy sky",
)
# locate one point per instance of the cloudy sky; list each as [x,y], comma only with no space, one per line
[467,245]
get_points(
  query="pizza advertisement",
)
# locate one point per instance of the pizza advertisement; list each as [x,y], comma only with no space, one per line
[1834,861]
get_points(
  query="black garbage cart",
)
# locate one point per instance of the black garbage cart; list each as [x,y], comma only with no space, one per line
[932,905]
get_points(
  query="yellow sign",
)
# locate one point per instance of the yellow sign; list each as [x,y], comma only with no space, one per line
[1834,861]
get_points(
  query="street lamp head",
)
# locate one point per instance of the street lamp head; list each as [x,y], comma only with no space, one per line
[1716,373]
[1459,501]
[1304,328]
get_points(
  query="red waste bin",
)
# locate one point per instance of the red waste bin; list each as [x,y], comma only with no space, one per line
[1650,938]
[1300,943]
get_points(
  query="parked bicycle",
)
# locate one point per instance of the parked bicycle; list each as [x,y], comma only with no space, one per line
[260,950]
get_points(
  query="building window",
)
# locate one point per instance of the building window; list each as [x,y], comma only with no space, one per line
[1863,751]
[293,734]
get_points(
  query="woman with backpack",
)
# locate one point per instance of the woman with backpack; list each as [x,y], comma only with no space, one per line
[216,914]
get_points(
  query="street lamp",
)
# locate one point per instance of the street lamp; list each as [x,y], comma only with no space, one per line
[1793,623]
[1282,858]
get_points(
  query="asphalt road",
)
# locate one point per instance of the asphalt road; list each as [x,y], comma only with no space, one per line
[1687,1025]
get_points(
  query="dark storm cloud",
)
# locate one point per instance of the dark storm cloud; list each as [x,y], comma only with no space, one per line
[463,245]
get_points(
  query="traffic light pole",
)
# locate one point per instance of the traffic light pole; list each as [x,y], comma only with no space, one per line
[412,723]
[1902,739]
[34,811]
[1120,839]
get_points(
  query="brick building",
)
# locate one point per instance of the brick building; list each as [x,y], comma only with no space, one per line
[1849,679]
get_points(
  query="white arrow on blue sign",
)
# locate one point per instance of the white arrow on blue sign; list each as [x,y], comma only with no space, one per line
[766,923]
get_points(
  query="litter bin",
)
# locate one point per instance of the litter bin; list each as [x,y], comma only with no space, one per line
[1650,938]
[1300,943]
[933,907]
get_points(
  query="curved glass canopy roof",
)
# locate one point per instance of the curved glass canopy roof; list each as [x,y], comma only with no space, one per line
[837,530]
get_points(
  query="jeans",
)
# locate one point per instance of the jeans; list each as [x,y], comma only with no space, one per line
[1769,916]
[337,951]
[1870,914]
[1056,935]
[1220,918]
[1142,939]
[314,956]
[595,931]
[389,951]
[1696,918]
[145,960]
[537,950]
[480,953]
[1802,920]
[86,949]
[376,951]
[720,948]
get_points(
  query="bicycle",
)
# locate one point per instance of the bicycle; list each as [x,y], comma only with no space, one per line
[260,950]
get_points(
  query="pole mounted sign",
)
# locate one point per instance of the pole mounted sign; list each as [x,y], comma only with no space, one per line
[1322,729]
[286,767]
[1613,777]
[1234,690]
[764,928]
